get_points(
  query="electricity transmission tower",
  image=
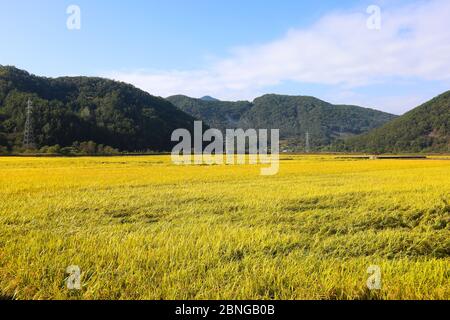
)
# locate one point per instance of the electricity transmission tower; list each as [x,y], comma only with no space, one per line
[28,133]
[307,144]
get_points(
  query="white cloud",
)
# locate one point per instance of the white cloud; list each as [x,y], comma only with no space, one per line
[396,103]
[338,50]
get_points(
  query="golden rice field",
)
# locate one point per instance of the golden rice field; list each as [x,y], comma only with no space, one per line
[143,228]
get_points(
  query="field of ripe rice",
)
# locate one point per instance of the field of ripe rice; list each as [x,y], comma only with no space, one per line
[143,228]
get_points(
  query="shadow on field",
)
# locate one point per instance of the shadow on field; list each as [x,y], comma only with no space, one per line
[364,294]
[6,297]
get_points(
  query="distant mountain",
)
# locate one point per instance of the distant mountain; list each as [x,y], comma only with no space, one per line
[209,98]
[73,109]
[325,122]
[293,115]
[425,128]
[216,114]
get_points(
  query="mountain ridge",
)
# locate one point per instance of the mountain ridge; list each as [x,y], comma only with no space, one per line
[293,115]
[70,109]
[77,109]
[424,128]
[209,98]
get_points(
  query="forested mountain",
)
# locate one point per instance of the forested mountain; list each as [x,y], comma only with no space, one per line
[293,115]
[425,128]
[325,122]
[216,114]
[80,109]
[209,98]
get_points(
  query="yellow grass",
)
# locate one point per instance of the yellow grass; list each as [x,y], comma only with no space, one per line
[142,228]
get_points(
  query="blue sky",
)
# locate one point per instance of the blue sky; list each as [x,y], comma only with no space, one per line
[241,49]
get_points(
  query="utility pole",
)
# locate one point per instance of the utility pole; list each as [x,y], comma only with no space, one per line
[28,133]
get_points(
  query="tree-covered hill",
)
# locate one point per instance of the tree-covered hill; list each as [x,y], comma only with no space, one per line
[80,109]
[423,129]
[209,98]
[325,122]
[293,115]
[215,113]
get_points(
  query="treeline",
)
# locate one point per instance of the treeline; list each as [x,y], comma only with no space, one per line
[80,148]
[76,149]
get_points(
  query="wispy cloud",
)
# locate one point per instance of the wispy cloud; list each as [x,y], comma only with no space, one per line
[338,50]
